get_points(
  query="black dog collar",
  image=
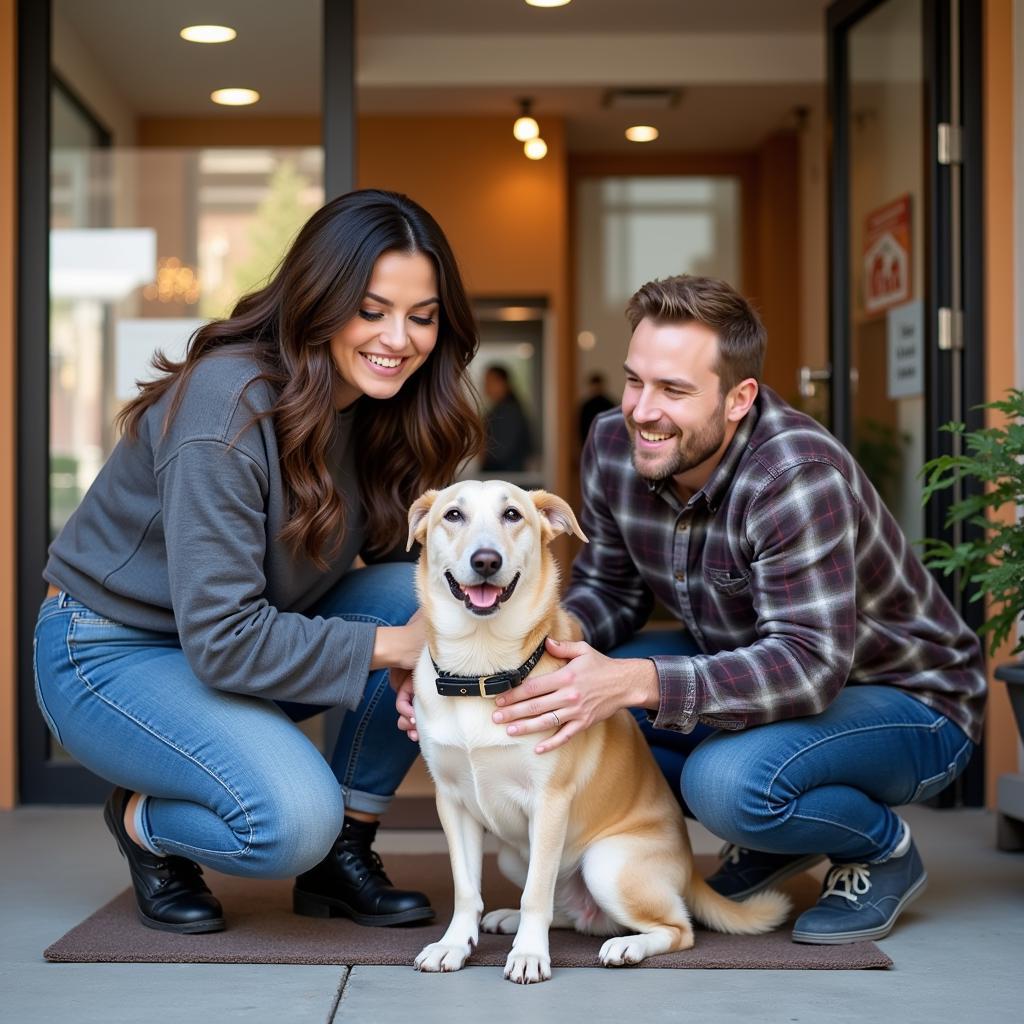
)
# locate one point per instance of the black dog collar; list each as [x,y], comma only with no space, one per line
[449,685]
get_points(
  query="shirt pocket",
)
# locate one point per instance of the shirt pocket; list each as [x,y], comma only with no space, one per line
[727,581]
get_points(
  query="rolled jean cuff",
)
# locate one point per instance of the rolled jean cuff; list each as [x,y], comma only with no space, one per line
[141,822]
[367,803]
[903,831]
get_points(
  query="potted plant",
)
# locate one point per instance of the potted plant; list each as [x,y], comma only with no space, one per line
[991,562]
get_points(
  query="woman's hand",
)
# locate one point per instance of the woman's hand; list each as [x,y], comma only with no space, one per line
[399,647]
[589,688]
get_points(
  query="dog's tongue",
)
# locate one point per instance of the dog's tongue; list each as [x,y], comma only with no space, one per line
[484,595]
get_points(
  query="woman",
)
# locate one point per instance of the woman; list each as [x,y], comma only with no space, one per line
[208,593]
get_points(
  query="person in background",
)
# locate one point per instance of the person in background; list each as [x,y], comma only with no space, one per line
[596,402]
[507,432]
[209,591]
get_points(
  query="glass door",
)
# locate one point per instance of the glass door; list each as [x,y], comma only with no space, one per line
[905,288]
[128,245]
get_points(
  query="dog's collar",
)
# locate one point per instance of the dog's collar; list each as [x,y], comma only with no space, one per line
[449,685]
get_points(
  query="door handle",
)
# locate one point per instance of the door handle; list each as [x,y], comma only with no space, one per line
[807,378]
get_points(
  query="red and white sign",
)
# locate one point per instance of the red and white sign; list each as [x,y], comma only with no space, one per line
[887,256]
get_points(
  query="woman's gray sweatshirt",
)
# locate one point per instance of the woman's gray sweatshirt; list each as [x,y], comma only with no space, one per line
[179,534]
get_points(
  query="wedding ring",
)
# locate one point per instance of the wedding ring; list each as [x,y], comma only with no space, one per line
[558,724]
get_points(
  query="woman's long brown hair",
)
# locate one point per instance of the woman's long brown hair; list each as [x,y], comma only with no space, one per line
[404,445]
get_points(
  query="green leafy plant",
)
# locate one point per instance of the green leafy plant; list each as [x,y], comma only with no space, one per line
[991,563]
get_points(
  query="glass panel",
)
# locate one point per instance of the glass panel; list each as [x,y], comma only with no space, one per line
[145,245]
[887,213]
[632,230]
[508,374]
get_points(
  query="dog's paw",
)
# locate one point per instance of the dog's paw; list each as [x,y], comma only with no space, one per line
[623,950]
[527,968]
[442,956]
[501,922]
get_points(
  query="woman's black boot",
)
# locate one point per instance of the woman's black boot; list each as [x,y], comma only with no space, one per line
[350,882]
[169,891]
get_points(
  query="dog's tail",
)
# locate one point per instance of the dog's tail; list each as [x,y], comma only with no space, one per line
[755,915]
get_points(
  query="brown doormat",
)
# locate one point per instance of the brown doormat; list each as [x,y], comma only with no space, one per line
[262,929]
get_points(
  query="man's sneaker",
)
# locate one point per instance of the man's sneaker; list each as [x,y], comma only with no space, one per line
[744,872]
[862,901]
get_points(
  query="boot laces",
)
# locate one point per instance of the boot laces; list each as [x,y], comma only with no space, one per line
[848,881]
[180,871]
[367,858]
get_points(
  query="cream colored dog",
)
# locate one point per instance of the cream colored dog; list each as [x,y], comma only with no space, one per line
[590,830]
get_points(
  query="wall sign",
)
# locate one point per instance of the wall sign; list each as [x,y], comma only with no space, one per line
[905,330]
[887,256]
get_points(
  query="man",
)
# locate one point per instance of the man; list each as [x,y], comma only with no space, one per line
[826,678]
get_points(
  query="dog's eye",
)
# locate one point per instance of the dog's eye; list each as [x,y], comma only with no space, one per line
[512,515]
[453,515]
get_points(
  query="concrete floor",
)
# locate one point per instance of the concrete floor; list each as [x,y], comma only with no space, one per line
[959,954]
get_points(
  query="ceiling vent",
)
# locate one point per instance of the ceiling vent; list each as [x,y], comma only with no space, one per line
[641,99]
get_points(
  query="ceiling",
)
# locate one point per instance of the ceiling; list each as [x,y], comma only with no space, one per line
[743,66]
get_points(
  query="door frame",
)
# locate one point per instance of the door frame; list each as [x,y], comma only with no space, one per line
[954,378]
[41,779]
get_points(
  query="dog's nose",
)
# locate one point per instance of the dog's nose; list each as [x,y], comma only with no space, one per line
[485,561]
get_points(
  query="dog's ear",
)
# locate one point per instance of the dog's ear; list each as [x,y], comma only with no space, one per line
[556,516]
[418,512]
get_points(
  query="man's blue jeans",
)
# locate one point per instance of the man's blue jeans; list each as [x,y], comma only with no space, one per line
[825,783]
[232,782]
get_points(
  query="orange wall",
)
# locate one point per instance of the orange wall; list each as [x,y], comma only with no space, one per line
[505,216]
[8,647]
[777,291]
[1000,282]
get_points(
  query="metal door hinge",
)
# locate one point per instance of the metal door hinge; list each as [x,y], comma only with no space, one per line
[950,142]
[951,329]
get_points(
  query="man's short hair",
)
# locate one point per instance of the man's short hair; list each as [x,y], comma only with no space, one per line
[687,299]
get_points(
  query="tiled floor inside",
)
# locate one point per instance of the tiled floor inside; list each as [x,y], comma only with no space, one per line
[958,952]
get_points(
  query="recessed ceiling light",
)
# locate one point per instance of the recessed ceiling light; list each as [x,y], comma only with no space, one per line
[642,133]
[235,97]
[548,3]
[208,33]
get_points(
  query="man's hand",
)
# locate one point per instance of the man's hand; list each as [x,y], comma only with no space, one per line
[400,648]
[589,688]
[403,705]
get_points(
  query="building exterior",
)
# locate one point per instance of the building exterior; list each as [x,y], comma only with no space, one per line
[856,167]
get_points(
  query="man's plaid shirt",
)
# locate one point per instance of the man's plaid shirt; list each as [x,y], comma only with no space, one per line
[786,567]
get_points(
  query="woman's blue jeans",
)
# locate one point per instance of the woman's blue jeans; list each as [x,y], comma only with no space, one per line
[826,783]
[230,780]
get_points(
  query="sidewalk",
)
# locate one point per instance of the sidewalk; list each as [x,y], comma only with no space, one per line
[958,954]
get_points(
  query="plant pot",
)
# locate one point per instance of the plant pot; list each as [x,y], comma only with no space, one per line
[1013,675]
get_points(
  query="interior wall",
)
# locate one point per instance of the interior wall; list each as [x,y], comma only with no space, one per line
[8,397]
[1001,282]
[505,216]
[779,262]
[813,284]
[228,131]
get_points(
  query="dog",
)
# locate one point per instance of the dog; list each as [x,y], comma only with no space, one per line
[590,830]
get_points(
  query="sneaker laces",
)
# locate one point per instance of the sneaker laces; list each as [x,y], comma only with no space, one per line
[855,880]
[730,853]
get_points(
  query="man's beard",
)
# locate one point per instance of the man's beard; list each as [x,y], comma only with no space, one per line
[692,449]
